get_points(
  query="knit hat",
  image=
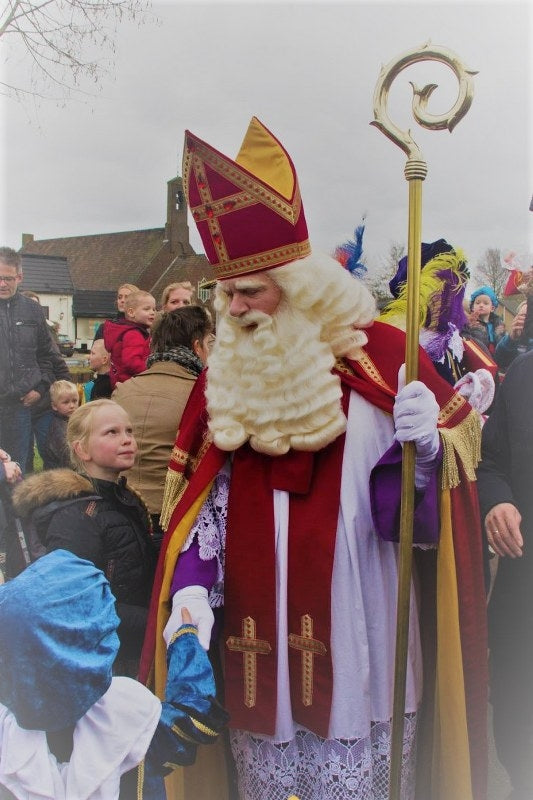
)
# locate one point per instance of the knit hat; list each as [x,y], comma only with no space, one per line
[58,641]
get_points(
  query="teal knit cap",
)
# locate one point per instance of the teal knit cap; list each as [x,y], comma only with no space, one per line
[484,290]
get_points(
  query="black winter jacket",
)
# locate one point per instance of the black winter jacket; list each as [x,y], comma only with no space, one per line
[55,451]
[505,475]
[27,352]
[103,522]
[58,372]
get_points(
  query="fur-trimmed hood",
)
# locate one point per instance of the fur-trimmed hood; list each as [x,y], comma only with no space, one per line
[46,487]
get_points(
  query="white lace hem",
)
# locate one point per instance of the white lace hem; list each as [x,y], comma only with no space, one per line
[313,768]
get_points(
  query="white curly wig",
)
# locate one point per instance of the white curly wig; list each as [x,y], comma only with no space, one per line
[272,384]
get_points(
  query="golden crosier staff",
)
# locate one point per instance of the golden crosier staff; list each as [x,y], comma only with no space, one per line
[415,172]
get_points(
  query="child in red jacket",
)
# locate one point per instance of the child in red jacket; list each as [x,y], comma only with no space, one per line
[128,339]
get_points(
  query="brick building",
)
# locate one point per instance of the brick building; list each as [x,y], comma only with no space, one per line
[150,259]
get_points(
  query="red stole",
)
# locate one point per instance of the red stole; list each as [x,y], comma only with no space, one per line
[313,481]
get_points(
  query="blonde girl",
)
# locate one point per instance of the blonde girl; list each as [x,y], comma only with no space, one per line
[91,512]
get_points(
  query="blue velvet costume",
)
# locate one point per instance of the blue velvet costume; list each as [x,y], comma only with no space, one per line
[58,642]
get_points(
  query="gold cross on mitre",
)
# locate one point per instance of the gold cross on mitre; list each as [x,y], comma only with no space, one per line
[250,647]
[310,648]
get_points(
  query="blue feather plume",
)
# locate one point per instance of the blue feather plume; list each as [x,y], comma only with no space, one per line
[349,254]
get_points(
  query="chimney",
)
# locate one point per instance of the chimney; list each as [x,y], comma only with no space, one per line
[27,238]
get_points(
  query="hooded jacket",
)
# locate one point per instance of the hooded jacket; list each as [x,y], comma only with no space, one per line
[129,346]
[101,521]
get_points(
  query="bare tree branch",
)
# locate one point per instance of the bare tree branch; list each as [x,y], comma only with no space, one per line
[59,40]
[378,276]
[489,271]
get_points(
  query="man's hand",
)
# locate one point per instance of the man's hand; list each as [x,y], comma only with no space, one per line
[517,325]
[194,600]
[30,398]
[502,525]
[415,415]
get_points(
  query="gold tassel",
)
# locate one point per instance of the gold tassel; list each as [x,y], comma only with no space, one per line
[175,486]
[463,442]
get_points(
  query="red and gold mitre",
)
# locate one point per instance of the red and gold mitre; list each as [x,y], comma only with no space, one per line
[249,211]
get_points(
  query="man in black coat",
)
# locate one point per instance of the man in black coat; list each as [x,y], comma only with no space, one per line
[26,358]
[506,501]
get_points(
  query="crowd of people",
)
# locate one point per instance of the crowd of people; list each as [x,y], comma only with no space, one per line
[210,552]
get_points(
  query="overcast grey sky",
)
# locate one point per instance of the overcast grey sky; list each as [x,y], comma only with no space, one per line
[308,71]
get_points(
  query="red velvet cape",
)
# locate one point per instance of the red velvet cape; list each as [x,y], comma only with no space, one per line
[375,378]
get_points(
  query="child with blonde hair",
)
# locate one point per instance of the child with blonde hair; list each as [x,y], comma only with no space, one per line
[128,339]
[64,399]
[90,511]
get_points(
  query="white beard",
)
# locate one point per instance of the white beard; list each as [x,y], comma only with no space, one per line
[272,384]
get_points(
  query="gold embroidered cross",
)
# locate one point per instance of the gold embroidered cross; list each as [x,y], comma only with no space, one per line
[250,647]
[310,648]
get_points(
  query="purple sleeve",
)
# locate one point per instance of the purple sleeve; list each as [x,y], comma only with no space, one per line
[191,570]
[385,499]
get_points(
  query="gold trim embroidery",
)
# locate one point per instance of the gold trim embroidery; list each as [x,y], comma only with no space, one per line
[453,405]
[140,780]
[479,352]
[182,632]
[233,202]
[203,728]
[179,456]
[250,647]
[373,372]
[265,260]
[342,366]
[289,210]
[181,733]
[209,209]
[309,648]
[204,447]
[175,485]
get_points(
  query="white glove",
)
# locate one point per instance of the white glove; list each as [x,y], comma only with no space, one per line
[194,598]
[478,387]
[415,416]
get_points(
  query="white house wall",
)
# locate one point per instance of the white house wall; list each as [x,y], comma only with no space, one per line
[60,310]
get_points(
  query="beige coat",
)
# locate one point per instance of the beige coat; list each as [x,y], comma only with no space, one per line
[154,401]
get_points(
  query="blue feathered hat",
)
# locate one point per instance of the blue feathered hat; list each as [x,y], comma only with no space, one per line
[58,641]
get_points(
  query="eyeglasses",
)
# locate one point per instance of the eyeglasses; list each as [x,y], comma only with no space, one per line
[8,278]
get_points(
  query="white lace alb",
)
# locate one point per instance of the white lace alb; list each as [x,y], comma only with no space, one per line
[313,768]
